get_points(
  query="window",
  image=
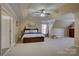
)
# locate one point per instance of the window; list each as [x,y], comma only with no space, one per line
[43,28]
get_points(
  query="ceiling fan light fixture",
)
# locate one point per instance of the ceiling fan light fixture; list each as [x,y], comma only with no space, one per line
[42,15]
[44,11]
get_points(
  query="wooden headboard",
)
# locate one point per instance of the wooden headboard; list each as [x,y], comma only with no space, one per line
[31,29]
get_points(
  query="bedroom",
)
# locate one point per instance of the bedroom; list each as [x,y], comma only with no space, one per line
[38,28]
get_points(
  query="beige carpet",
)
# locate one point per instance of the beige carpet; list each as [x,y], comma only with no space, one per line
[50,47]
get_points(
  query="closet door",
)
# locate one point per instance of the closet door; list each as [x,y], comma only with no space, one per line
[5,32]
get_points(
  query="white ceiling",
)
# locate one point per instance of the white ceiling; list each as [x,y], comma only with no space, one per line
[64,21]
[22,10]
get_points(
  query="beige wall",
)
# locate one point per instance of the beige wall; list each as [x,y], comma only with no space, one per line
[50,29]
[77,29]
[28,21]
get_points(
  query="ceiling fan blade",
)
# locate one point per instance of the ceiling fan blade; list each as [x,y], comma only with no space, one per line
[42,11]
[48,13]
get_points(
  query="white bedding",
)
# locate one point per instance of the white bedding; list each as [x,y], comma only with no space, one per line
[32,35]
[28,31]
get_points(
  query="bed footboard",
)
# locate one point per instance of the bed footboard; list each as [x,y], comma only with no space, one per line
[33,39]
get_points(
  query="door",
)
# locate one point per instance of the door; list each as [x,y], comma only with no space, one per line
[5,32]
[71,32]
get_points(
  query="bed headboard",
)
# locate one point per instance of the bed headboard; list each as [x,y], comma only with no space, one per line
[31,29]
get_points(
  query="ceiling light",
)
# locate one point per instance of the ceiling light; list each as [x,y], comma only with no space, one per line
[42,15]
[44,11]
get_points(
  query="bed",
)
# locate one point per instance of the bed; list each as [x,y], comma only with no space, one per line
[32,35]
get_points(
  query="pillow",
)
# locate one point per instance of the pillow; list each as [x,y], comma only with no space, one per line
[27,31]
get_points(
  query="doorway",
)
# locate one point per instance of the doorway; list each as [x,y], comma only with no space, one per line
[7,29]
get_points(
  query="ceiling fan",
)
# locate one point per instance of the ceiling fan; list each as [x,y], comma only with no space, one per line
[41,12]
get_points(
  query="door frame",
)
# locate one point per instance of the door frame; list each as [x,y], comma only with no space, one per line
[5,12]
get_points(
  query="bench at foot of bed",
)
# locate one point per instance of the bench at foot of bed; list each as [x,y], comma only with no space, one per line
[33,39]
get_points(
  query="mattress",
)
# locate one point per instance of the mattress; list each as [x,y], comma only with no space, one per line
[32,35]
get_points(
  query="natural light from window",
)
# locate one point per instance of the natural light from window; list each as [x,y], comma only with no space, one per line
[43,29]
